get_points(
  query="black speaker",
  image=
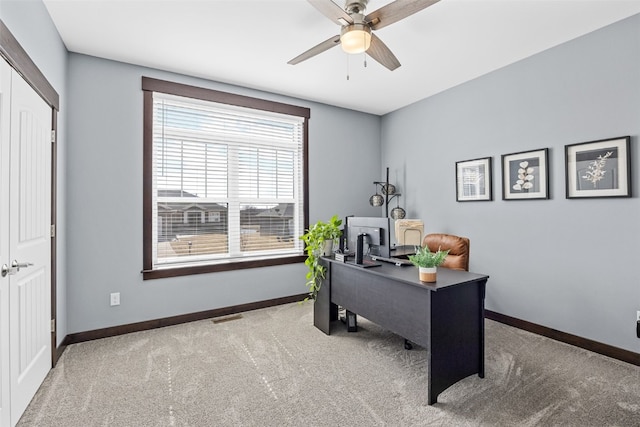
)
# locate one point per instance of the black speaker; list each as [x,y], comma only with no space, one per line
[352,322]
[360,248]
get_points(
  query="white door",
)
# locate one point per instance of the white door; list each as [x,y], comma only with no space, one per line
[5,134]
[29,251]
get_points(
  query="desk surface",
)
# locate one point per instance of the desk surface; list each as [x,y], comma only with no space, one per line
[409,274]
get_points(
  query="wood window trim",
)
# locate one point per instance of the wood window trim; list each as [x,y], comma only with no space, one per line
[150,85]
[154,85]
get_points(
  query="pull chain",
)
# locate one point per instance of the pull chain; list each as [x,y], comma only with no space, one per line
[348,67]
[365,52]
[348,64]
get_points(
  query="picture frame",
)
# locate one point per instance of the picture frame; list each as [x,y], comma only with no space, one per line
[525,175]
[599,168]
[473,180]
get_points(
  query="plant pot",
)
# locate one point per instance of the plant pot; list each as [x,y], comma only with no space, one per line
[427,274]
[328,248]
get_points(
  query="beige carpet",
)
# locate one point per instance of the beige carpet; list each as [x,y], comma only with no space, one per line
[271,367]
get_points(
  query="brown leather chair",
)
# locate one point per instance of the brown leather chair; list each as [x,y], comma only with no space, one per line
[458,258]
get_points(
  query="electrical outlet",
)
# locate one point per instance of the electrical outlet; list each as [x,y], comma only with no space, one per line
[115,299]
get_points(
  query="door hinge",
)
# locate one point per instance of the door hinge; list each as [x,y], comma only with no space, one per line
[53,136]
[53,230]
[53,325]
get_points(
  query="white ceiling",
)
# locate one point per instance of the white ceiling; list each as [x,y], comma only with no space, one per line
[248,42]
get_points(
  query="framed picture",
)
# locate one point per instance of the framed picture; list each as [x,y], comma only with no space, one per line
[473,180]
[525,175]
[598,168]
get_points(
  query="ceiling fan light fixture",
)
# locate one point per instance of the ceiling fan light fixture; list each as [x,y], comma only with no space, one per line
[355,38]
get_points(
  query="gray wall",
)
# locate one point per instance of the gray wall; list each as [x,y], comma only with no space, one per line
[565,264]
[31,25]
[104,205]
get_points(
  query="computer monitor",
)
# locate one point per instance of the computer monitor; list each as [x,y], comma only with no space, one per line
[376,233]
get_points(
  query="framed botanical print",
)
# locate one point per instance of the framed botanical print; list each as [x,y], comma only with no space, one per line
[525,175]
[598,169]
[473,180]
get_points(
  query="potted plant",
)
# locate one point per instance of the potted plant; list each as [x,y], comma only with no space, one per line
[318,241]
[427,262]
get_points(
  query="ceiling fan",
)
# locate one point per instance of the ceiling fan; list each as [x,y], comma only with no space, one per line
[357,35]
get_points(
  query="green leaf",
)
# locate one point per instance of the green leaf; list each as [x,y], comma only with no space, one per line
[425,258]
[314,240]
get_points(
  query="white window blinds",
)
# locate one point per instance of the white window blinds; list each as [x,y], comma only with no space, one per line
[227,182]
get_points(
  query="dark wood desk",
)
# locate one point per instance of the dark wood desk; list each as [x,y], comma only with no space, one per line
[446,317]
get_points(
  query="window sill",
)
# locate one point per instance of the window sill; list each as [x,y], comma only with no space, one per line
[213,268]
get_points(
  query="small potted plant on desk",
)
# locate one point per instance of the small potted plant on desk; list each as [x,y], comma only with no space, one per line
[318,241]
[427,262]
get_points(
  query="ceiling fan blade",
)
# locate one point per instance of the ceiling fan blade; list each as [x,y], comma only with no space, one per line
[332,11]
[381,53]
[393,12]
[325,45]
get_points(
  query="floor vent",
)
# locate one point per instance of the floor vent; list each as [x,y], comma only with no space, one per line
[227,318]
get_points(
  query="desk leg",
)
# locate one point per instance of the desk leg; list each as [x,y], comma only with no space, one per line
[431,399]
[457,336]
[323,310]
[482,286]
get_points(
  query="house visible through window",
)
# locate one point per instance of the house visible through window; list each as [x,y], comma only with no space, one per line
[224,184]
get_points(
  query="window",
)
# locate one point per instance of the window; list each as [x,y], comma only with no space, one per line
[225,180]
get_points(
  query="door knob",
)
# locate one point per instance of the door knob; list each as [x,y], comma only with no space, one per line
[6,270]
[15,267]
[18,265]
